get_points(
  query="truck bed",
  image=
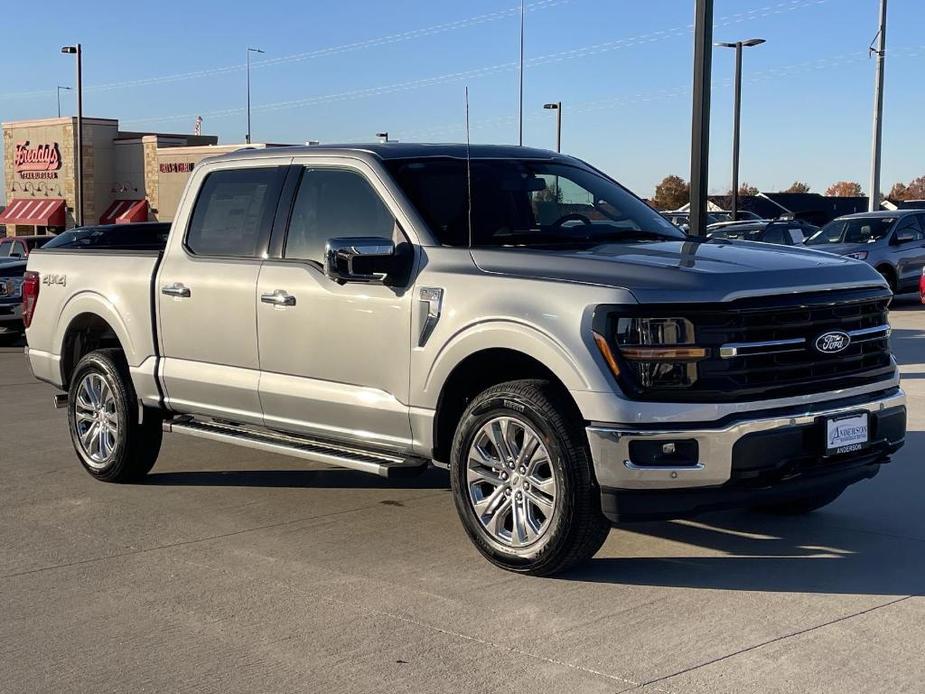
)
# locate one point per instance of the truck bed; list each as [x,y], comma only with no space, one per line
[116,286]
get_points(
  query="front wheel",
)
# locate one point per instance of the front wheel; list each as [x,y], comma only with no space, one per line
[110,441]
[522,480]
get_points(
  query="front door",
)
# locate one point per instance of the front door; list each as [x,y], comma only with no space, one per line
[334,358]
[207,293]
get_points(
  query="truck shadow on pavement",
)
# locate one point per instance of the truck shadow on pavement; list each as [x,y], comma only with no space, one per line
[871,541]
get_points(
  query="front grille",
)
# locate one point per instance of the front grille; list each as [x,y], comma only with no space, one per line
[792,365]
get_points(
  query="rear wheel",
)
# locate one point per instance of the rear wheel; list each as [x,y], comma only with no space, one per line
[522,480]
[110,442]
[798,507]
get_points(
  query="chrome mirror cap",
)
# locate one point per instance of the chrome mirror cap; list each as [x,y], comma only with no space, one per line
[358,259]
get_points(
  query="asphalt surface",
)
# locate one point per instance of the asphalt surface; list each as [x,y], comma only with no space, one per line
[232,571]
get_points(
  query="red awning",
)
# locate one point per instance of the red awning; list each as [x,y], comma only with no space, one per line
[126,212]
[45,212]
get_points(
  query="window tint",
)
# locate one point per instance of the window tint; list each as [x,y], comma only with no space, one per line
[232,211]
[775,234]
[334,203]
[910,224]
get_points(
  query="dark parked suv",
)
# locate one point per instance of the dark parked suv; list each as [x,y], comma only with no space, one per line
[892,241]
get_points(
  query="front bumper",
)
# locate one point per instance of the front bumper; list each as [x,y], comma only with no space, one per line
[772,450]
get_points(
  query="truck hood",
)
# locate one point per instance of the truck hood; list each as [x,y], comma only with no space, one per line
[688,271]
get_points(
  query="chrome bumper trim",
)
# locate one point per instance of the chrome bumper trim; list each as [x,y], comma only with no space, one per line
[613,468]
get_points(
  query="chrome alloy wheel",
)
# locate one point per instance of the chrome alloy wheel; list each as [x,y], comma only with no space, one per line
[95,420]
[512,487]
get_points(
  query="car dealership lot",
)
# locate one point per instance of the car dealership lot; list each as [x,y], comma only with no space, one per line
[232,570]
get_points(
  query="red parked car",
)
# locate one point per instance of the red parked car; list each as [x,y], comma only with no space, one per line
[922,286]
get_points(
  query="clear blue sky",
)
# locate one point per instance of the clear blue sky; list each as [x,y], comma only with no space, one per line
[341,71]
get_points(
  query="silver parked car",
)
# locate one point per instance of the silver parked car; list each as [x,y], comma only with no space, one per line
[893,242]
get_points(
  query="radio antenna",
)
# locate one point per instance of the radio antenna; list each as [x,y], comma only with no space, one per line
[468,171]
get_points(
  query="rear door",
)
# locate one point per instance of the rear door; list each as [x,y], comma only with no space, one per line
[334,358]
[206,290]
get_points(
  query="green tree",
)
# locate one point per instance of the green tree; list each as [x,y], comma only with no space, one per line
[845,189]
[673,192]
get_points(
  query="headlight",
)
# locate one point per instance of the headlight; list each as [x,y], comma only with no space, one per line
[650,352]
[857,255]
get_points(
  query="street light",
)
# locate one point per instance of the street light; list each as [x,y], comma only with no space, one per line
[557,107]
[76,51]
[247,138]
[60,87]
[738,45]
[383,137]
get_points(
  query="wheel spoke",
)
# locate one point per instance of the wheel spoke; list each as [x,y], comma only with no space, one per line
[495,523]
[489,505]
[528,449]
[499,436]
[544,504]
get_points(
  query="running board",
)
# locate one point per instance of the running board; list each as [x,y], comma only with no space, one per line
[382,464]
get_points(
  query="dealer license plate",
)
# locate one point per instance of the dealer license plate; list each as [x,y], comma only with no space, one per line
[846,434]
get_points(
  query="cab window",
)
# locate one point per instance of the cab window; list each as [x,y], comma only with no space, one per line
[333,203]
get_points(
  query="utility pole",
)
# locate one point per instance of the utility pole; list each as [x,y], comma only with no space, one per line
[520,137]
[700,117]
[877,139]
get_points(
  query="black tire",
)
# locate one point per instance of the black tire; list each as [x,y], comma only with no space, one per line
[135,444]
[576,529]
[799,507]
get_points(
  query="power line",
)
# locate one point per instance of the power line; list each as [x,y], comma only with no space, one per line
[376,42]
[571,54]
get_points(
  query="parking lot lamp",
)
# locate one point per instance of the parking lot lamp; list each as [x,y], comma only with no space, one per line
[557,107]
[700,116]
[247,137]
[737,113]
[60,87]
[76,51]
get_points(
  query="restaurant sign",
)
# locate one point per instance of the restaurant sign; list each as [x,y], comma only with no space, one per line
[37,162]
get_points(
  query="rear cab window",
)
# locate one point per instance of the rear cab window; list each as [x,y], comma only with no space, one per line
[234,211]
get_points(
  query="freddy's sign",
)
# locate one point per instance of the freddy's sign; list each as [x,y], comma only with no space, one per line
[39,161]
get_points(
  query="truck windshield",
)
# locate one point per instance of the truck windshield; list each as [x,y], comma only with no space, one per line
[518,203]
[863,230]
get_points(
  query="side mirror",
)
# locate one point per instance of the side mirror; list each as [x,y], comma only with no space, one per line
[904,236]
[359,259]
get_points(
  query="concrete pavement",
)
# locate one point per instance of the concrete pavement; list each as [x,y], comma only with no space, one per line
[233,571]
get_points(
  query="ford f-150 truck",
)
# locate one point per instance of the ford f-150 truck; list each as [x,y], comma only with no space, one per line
[511,314]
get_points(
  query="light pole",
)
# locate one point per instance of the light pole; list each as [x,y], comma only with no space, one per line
[520,136]
[247,138]
[700,117]
[557,107]
[76,51]
[737,116]
[383,137]
[880,50]
[60,87]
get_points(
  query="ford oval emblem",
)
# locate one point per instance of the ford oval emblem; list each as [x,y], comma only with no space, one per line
[833,342]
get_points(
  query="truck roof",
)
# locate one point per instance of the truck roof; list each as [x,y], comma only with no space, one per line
[398,150]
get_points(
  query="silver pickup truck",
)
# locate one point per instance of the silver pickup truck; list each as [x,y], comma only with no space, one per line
[513,315]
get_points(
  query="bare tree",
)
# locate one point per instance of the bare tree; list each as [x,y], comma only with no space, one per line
[672,193]
[845,189]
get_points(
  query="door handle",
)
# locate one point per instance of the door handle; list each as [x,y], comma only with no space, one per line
[177,289]
[278,298]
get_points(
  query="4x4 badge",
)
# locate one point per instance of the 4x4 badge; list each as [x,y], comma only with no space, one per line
[833,342]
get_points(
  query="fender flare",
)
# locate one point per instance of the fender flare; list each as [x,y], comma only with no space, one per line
[94,303]
[502,334]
